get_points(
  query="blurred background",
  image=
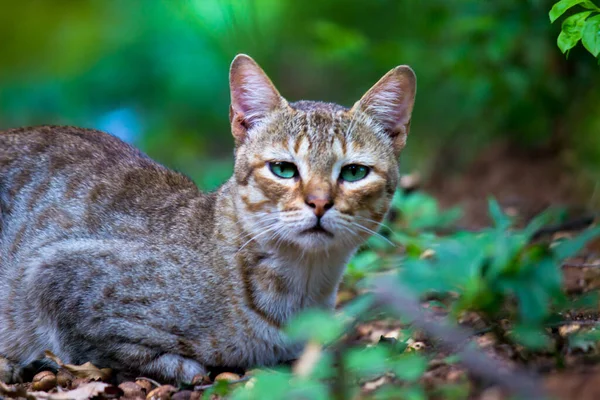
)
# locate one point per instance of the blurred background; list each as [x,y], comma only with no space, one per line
[499,109]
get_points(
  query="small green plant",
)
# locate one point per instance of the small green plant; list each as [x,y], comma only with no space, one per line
[582,26]
[499,273]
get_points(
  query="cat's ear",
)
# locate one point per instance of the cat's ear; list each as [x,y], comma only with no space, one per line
[390,103]
[253,96]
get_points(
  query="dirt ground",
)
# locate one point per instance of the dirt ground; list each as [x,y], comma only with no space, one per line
[525,183]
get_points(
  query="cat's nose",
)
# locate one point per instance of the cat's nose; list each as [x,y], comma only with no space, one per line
[319,204]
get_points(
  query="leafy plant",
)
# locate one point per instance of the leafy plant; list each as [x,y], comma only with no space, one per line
[417,212]
[498,272]
[582,26]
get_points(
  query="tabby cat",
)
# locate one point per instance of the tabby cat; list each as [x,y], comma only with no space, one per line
[109,257]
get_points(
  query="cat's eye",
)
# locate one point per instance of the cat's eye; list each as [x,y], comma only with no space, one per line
[353,172]
[282,169]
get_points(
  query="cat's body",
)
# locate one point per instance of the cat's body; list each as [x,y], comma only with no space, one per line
[109,257]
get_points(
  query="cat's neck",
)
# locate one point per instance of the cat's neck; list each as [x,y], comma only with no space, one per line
[278,278]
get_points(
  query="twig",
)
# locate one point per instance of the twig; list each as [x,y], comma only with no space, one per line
[208,386]
[571,225]
[454,338]
[569,322]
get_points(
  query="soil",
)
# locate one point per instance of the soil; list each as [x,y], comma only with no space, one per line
[524,183]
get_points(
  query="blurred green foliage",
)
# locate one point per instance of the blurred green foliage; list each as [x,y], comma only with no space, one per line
[155,72]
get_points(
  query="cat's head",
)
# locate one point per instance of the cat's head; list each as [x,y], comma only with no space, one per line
[315,175]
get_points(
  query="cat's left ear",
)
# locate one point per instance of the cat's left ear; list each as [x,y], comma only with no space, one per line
[390,103]
[253,96]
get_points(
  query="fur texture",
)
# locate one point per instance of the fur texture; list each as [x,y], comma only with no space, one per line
[107,256]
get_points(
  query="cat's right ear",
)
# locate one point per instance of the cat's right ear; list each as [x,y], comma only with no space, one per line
[390,103]
[253,96]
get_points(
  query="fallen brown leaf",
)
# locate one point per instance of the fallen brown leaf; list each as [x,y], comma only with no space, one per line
[163,392]
[132,390]
[200,379]
[144,384]
[64,378]
[14,391]
[87,370]
[83,392]
[227,376]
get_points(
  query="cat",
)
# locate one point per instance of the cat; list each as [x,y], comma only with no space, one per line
[109,257]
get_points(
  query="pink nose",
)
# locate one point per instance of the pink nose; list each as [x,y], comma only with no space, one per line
[319,204]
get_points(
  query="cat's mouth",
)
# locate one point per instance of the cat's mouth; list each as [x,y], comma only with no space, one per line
[318,230]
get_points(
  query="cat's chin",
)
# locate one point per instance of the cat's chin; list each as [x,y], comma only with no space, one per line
[317,231]
[315,240]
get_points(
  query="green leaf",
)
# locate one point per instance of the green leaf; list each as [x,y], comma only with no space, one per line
[358,306]
[591,35]
[415,392]
[453,391]
[370,360]
[532,337]
[324,369]
[220,388]
[362,263]
[538,223]
[308,389]
[584,341]
[317,325]
[587,301]
[533,302]
[268,385]
[501,220]
[548,274]
[559,8]
[409,366]
[572,30]
[570,247]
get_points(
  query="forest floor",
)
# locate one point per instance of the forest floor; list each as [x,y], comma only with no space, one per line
[523,186]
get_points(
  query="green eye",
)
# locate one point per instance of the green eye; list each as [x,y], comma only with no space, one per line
[353,172]
[282,169]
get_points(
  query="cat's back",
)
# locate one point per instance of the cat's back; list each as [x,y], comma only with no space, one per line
[61,147]
[72,182]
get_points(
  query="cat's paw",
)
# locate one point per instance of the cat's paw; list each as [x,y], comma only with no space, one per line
[10,372]
[176,368]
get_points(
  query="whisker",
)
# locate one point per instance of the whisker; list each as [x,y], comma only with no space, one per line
[272,228]
[281,238]
[268,223]
[375,222]
[355,235]
[372,232]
